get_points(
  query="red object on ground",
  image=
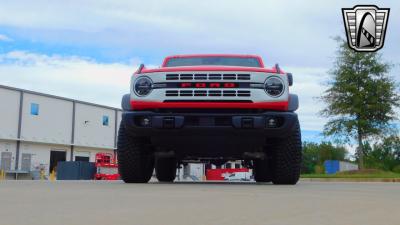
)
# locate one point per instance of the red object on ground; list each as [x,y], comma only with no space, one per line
[106,166]
[216,174]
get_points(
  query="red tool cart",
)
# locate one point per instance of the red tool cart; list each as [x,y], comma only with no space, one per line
[106,166]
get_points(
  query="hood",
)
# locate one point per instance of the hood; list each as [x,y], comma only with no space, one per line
[210,68]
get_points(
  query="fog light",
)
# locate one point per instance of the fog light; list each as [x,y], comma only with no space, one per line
[145,122]
[272,122]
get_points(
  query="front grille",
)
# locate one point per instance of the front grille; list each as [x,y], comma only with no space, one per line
[205,93]
[205,76]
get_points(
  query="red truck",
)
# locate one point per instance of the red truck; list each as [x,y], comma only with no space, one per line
[210,108]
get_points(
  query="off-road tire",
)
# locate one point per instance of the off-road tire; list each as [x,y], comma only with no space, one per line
[135,157]
[166,169]
[286,158]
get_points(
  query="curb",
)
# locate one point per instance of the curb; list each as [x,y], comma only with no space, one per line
[392,180]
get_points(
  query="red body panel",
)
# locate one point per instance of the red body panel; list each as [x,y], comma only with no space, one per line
[142,105]
[216,174]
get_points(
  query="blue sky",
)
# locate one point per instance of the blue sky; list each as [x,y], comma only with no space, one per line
[87,50]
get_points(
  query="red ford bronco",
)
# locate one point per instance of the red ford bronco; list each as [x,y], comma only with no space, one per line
[211,109]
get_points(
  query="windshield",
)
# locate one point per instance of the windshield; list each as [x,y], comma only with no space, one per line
[213,61]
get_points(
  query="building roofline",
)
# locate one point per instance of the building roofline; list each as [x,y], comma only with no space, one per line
[58,97]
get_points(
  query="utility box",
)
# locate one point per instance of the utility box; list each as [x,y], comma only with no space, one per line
[75,170]
[334,166]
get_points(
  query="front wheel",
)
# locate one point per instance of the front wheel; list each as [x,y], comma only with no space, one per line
[135,157]
[287,156]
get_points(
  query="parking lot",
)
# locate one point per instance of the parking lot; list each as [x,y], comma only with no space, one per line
[90,202]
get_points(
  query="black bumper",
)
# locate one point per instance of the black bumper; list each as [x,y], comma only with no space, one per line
[153,124]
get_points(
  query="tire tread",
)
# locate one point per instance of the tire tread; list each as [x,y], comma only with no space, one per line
[135,158]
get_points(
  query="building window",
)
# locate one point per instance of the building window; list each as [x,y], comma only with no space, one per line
[105,120]
[34,109]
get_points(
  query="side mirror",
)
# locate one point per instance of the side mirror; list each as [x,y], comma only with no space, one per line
[139,70]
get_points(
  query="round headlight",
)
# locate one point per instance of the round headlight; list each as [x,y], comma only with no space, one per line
[274,86]
[143,86]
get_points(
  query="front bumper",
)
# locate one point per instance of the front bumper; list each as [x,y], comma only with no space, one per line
[153,124]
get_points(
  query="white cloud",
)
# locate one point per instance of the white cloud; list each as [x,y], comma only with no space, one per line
[290,32]
[4,37]
[270,28]
[308,85]
[72,77]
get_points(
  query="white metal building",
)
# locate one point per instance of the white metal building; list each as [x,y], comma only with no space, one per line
[37,130]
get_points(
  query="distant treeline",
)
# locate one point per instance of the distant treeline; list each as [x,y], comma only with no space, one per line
[384,155]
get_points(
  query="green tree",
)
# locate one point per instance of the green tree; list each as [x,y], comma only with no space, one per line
[384,155]
[315,154]
[360,99]
[330,152]
[310,157]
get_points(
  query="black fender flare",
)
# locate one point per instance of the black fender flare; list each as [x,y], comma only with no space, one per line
[293,102]
[126,102]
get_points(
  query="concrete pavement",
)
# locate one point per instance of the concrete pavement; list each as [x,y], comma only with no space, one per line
[114,203]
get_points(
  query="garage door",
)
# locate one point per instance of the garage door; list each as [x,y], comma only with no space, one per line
[26,162]
[5,163]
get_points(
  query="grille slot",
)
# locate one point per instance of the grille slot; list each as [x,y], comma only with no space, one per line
[200,76]
[205,93]
[186,76]
[214,76]
[200,93]
[171,93]
[211,76]
[229,93]
[185,93]
[229,76]
[243,93]
[214,93]
[172,77]
[243,76]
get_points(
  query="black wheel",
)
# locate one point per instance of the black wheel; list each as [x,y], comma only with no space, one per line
[135,157]
[286,158]
[166,169]
[262,170]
